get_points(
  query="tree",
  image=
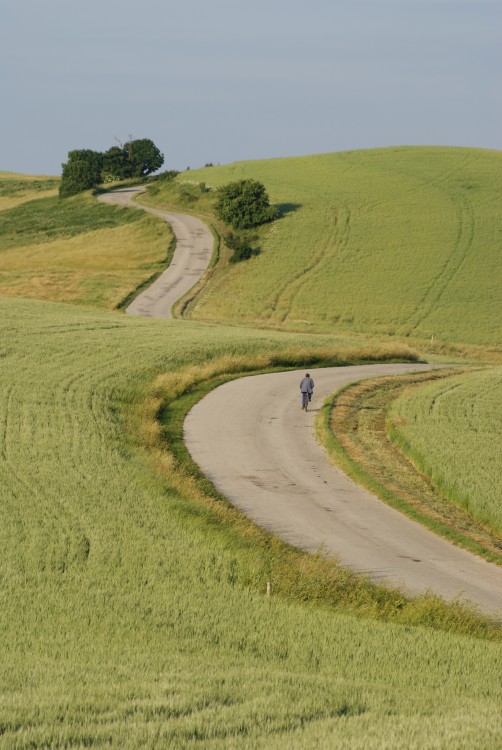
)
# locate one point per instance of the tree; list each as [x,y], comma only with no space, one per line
[116,164]
[244,204]
[144,157]
[81,172]
[85,169]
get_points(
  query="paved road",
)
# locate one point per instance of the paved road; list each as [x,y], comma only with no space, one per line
[253,441]
[194,247]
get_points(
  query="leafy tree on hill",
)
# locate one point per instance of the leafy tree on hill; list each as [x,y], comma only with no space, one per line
[144,157]
[85,169]
[82,171]
[244,204]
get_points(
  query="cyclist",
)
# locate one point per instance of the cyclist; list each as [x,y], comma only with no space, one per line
[306,388]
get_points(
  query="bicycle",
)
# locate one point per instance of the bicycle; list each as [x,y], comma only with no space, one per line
[305,400]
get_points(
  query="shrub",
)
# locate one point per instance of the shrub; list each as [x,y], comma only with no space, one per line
[244,204]
[189,192]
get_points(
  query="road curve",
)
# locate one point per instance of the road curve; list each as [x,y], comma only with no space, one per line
[194,247]
[253,441]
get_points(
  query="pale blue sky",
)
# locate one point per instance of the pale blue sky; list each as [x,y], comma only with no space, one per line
[227,80]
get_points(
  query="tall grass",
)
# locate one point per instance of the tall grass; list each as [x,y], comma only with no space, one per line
[124,614]
[392,241]
[453,432]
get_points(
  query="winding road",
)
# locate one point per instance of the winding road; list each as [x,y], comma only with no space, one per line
[194,247]
[256,445]
[253,441]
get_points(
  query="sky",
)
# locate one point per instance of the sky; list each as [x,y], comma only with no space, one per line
[229,80]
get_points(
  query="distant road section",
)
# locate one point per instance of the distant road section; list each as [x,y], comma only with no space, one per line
[194,247]
[253,441]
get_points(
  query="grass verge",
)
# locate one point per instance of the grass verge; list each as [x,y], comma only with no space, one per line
[291,573]
[352,426]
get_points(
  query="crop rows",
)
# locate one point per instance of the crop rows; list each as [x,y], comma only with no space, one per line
[453,432]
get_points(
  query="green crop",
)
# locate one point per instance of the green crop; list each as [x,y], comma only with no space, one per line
[453,432]
[126,613]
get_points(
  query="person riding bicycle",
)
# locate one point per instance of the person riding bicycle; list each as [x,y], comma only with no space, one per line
[306,388]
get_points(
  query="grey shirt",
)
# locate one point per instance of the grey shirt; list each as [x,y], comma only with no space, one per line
[307,385]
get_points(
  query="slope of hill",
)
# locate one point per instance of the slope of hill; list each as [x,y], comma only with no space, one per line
[399,241]
[74,250]
[20,188]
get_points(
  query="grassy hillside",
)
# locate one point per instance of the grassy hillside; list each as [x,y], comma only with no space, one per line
[20,188]
[453,432]
[400,241]
[76,250]
[127,616]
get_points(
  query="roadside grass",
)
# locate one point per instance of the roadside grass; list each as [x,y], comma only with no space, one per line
[80,251]
[132,617]
[452,432]
[354,426]
[398,241]
[290,572]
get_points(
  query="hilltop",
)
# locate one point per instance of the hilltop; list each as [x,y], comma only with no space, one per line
[398,241]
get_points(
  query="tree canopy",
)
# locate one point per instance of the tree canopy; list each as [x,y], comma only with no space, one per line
[144,157]
[82,171]
[86,169]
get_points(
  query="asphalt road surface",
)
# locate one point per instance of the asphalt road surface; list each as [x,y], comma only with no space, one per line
[253,441]
[194,247]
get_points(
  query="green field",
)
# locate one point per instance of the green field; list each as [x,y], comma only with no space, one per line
[453,433]
[133,611]
[394,241]
[125,615]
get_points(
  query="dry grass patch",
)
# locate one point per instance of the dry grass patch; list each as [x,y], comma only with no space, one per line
[7,201]
[97,268]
